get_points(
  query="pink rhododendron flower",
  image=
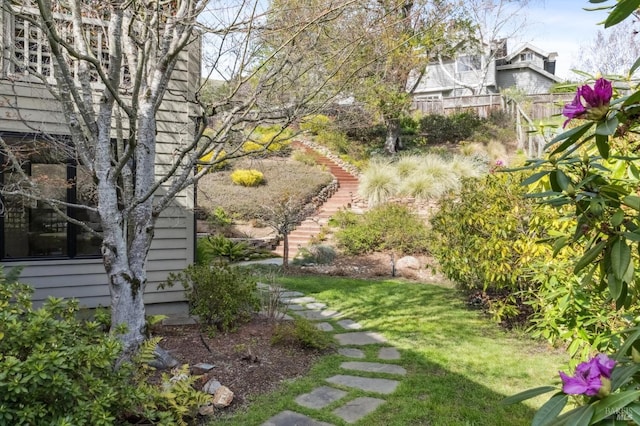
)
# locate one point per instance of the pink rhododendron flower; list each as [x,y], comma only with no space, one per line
[596,98]
[588,379]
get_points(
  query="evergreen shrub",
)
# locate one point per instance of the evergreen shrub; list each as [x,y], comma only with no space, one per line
[245,177]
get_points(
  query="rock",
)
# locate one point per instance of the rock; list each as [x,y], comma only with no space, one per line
[211,387]
[202,368]
[407,262]
[407,266]
[163,359]
[223,397]
[206,410]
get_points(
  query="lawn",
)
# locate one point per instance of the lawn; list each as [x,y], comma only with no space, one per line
[460,365]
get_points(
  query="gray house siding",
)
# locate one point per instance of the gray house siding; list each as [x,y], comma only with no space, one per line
[27,107]
[531,83]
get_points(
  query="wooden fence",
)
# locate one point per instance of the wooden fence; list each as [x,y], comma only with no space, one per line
[538,107]
[527,113]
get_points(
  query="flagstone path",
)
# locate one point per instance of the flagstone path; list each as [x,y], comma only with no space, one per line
[337,393]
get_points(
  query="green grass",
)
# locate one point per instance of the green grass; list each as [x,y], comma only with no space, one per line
[460,366]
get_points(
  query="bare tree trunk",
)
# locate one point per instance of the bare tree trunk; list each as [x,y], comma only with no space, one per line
[392,142]
[285,251]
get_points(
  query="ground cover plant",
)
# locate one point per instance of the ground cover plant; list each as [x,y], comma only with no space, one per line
[215,190]
[460,365]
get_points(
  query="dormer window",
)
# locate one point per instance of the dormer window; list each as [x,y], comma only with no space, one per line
[526,57]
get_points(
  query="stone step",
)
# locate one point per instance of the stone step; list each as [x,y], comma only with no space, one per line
[291,418]
[354,410]
[320,397]
[374,367]
[367,384]
[359,338]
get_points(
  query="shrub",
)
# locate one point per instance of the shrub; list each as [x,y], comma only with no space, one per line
[386,227]
[271,139]
[450,128]
[219,163]
[221,295]
[315,124]
[248,178]
[58,370]
[486,236]
[303,333]
[317,253]
[218,246]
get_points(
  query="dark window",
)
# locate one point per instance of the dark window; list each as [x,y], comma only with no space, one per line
[32,228]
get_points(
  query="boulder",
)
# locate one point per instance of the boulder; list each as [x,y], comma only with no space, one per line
[223,397]
[408,262]
[211,387]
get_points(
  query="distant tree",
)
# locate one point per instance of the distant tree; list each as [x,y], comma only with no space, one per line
[494,23]
[612,51]
[382,42]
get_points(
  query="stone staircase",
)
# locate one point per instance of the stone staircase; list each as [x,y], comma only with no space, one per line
[342,198]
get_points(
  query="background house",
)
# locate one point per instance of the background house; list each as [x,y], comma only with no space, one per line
[526,68]
[58,258]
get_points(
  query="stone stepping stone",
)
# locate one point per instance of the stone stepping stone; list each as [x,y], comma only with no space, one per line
[320,397]
[351,352]
[360,338]
[316,305]
[296,307]
[317,315]
[324,326]
[291,418]
[374,367]
[354,410]
[299,300]
[384,386]
[348,324]
[290,294]
[388,353]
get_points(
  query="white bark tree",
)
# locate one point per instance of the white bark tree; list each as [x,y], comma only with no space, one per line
[113,128]
[495,24]
[612,51]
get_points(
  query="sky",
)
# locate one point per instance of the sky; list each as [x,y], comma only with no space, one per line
[562,26]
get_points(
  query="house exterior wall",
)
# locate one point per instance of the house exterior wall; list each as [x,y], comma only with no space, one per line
[530,82]
[27,107]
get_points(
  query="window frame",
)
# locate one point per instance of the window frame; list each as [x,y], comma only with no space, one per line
[72,230]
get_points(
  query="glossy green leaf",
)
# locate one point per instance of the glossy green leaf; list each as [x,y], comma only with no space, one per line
[620,257]
[569,137]
[602,143]
[621,11]
[617,218]
[528,394]
[579,417]
[550,410]
[613,403]
[621,375]
[632,201]
[635,97]
[559,244]
[534,178]
[616,287]
[607,127]
[589,256]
